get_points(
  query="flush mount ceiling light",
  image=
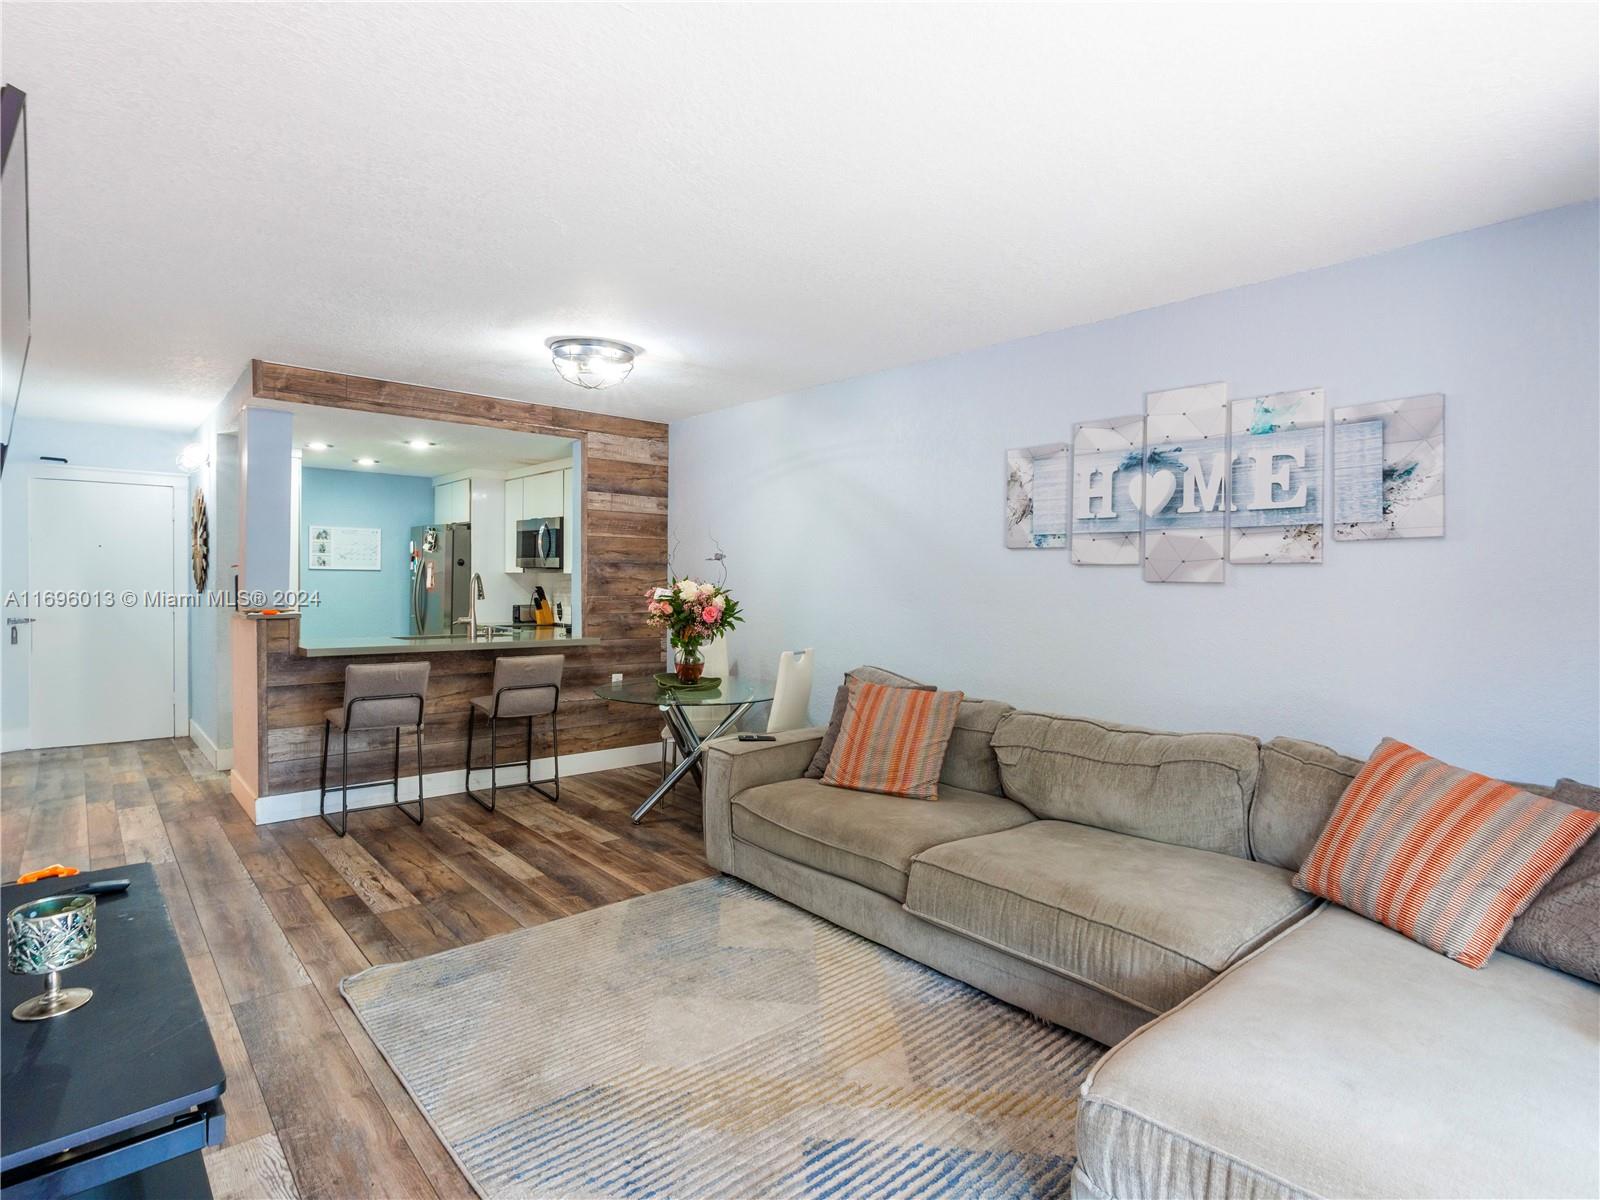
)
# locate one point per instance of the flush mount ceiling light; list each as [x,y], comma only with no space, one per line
[366,462]
[421,444]
[319,445]
[592,362]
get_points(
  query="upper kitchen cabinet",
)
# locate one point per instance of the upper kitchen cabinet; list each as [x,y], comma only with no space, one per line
[545,491]
[452,502]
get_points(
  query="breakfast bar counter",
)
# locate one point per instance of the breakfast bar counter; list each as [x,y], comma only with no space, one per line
[282,686]
[536,638]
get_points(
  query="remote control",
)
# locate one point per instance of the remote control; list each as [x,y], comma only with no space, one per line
[757,737]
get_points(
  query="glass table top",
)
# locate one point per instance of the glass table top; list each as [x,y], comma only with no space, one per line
[646,691]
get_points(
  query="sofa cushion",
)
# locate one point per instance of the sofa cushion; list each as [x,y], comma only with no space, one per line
[893,740]
[1143,921]
[862,836]
[969,760]
[1561,925]
[1300,783]
[1345,1060]
[1188,789]
[841,700]
[1447,857]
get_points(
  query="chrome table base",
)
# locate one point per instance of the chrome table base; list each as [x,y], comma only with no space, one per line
[690,745]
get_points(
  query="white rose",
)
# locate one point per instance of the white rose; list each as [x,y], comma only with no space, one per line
[688,588]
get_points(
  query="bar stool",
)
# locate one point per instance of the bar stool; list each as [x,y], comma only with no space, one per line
[376,696]
[525,687]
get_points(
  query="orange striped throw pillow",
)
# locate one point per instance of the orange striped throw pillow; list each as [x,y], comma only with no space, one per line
[1446,857]
[893,740]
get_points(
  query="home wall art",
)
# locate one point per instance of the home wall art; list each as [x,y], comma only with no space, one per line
[1278,468]
[1036,497]
[1388,461]
[1197,482]
[1105,516]
[1183,492]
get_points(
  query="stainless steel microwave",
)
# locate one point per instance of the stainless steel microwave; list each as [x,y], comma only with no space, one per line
[541,544]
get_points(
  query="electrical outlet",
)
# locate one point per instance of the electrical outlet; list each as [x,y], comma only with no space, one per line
[616,677]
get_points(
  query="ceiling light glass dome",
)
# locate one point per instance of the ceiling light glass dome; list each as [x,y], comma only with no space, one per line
[592,362]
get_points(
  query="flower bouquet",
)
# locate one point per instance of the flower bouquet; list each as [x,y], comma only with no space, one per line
[692,614]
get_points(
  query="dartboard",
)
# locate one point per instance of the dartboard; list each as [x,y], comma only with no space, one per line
[199,541]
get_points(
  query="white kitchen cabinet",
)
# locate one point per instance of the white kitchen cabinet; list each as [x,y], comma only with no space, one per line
[452,502]
[542,495]
[539,494]
[513,515]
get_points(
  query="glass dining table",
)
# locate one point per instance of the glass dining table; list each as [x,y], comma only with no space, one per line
[737,696]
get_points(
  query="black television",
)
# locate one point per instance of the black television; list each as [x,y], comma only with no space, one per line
[15,299]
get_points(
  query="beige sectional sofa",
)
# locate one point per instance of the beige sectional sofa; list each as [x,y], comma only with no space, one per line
[1135,886]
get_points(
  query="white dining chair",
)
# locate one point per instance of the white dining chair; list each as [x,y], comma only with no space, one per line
[791,698]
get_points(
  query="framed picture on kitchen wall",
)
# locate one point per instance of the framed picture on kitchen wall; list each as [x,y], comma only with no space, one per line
[343,548]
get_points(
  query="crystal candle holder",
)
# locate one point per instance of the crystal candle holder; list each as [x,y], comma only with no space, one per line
[45,937]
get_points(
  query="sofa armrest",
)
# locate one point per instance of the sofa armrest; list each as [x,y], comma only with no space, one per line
[732,766]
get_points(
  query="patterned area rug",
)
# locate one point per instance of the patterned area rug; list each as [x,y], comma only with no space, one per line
[712,1041]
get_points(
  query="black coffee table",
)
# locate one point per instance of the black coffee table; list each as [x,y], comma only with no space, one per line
[117,1098]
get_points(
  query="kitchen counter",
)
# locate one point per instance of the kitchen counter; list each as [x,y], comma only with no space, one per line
[521,639]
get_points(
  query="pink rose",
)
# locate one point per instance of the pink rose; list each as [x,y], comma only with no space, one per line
[711,614]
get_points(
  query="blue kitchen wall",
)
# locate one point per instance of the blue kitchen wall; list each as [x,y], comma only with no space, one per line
[361,603]
[866,516]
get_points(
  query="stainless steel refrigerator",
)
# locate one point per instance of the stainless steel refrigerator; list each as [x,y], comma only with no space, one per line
[441,573]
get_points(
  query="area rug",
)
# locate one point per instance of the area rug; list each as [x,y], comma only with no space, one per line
[712,1041]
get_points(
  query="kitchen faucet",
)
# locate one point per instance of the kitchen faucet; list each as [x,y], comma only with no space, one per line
[474,594]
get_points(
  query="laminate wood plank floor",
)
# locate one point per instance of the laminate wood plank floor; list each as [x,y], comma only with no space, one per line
[272,917]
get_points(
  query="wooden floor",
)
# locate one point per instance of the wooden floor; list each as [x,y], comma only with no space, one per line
[272,917]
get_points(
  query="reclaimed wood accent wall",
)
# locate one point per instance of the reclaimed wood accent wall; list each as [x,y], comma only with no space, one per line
[624,550]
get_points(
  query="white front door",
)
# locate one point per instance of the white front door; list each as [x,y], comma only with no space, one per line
[102,672]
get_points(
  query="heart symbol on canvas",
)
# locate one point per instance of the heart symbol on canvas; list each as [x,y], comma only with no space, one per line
[1162,484]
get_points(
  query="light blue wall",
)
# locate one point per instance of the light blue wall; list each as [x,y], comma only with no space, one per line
[361,603]
[266,467]
[865,517]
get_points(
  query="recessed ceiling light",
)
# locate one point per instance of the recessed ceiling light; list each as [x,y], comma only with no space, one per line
[319,445]
[421,444]
[366,462]
[592,362]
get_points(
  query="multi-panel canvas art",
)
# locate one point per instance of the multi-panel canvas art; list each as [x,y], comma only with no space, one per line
[1036,497]
[1183,491]
[1388,464]
[1277,478]
[1197,482]
[1105,515]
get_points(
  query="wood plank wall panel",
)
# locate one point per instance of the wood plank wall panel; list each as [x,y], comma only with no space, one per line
[624,527]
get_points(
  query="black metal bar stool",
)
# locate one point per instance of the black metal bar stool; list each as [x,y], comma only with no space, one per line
[525,687]
[376,696]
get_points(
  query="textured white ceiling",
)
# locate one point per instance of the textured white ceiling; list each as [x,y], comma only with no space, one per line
[764,196]
[351,435]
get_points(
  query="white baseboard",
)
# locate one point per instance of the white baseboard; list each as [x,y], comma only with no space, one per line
[291,806]
[222,760]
